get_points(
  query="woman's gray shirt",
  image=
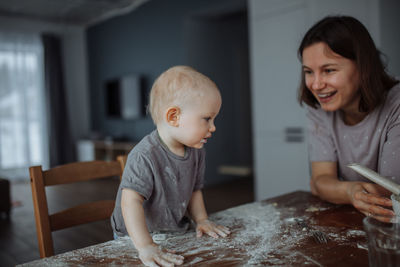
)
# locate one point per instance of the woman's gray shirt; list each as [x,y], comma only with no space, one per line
[165,180]
[374,142]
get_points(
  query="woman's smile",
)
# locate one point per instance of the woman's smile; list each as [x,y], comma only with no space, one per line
[326,97]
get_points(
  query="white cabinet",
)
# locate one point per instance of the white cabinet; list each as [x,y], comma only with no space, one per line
[280,165]
[279,123]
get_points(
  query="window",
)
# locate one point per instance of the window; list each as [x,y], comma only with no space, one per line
[22,107]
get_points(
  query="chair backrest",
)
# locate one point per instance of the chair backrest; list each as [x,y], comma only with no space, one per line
[80,214]
[122,161]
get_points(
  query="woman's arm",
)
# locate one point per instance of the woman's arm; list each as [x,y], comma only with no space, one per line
[366,197]
[325,184]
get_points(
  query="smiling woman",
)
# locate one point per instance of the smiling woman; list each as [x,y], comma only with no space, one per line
[354,114]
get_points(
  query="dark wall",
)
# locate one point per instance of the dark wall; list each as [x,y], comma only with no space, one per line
[217,45]
[210,35]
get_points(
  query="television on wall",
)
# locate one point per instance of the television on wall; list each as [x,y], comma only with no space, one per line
[124,97]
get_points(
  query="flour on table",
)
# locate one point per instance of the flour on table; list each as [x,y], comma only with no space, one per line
[256,233]
[259,236]
[316,208]
[355,233]
[158,238]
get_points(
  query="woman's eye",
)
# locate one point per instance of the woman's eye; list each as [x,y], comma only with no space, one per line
[307,71]
[329,70]
[207,119]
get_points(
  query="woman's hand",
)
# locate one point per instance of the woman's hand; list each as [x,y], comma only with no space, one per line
[152,255]
[368,199]
[211,229]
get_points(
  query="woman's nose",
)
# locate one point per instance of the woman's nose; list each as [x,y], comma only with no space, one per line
[318,83]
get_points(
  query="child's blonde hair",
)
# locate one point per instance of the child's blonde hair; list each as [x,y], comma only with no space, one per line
[176,86]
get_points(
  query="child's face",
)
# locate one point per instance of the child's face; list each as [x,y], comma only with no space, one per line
[196,122]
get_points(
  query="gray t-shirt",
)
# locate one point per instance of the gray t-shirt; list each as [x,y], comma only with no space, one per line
[165,180]
[374,142]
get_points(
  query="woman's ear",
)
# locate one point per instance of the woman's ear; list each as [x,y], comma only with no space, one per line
[172,116]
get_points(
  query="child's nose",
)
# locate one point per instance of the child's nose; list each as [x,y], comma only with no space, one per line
[212,127]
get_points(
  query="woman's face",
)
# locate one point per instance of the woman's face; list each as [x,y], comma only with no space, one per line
[332,79]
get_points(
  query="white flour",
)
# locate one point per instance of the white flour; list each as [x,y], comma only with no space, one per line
[253,228]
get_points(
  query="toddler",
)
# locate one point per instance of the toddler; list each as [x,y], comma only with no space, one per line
[164,173]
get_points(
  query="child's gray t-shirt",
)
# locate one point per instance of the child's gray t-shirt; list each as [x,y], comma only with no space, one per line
[374,142]
[165,180]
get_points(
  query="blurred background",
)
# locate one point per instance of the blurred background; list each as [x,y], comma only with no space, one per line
[75,78]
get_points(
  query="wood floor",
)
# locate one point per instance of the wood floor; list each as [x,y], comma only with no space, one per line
[18,242]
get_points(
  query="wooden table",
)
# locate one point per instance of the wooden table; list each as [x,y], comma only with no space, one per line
[264,233]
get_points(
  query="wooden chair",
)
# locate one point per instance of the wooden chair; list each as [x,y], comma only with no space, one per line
[77,215]
[122,161]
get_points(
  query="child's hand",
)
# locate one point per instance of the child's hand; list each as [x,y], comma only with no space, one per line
[211,229]
[152,255]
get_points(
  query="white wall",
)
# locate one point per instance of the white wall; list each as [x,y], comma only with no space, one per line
[275,30]
[75,66]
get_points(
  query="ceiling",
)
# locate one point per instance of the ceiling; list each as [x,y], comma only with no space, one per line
[74,12]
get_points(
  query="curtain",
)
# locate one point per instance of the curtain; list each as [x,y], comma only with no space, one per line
[23,139]
[61,144]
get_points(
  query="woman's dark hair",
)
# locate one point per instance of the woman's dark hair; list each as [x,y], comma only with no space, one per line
[349,38]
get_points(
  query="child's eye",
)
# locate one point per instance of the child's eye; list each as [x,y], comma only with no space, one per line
[307,72]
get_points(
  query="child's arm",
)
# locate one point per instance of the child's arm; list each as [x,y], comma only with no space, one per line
[149,253]
[198,212]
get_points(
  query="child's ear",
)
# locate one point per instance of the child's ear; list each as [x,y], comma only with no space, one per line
[172,116]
